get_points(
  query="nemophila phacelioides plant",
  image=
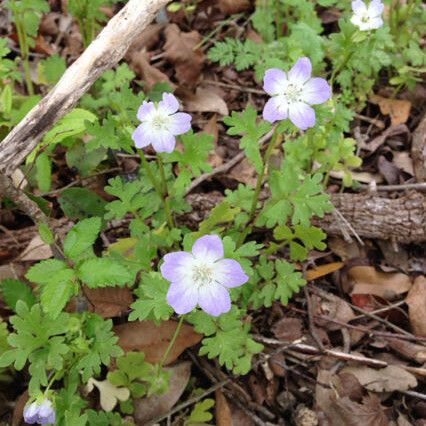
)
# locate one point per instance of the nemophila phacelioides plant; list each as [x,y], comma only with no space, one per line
[245,255]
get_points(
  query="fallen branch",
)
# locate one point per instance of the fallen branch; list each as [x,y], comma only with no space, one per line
[103,53]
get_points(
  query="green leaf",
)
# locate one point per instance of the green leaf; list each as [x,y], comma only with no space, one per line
[46,233]
[288,281]
[43,172]
[81,238]
[220,214]
[200,413]
[152,302]
[245,124]
[14,290]
[42,272]
[80,203]
[104,272]
[51,69]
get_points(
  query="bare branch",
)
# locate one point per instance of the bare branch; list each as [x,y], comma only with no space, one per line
[103,53]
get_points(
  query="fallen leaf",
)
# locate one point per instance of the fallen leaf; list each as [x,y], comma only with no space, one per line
[205,100]
[222,410]
[244,172]
[322,270]
[11,270]
[381,139]
[49,24]
[109,393]
[36,249]
[211,128]
[334,308]
[416,301]
[409,350]
[139,63]
[109,302]
[42,46]
[388,285]
[233,6]
[344,249]
[403,161]
[147,39]
[388,170]
[154,406]
[179,50]
[389,379]
[153,340]
[288,329]
[397,109]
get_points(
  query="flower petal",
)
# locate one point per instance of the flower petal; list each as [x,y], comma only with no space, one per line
[302,115]
[139,136]
[208,247]
[31,413]
[46,413]
[180,123]
[359,6]
[145,110]
[229,273]
[182,296]
[169,104]
[214,299]
[274,81]
[163,141]
[316,91]
[275,109]
[375,23]
[375,8]
[175,265]
[301,71]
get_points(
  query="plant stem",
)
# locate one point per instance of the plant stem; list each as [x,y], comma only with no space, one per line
[172,342]
[260,177]
[23,44]
[165,190]
[158,186]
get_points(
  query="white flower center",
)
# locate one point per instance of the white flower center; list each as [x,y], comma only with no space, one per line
[160,121]
[202,274]
[293,93]
[365,17]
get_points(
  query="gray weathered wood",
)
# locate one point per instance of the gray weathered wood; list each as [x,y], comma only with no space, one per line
[103,53]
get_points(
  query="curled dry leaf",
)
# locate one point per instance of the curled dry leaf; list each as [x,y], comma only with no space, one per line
[179,50]
[381,139]
[398,110]
[152,339]
[109,302]
[288,329]
[139,63]
[388,285]
[109,393]
[403,161]
[416,301]
[154,406]
[233,6]
[222,410]
[322,270]
[36,249]
[334,308]
[388,379]
[205,100]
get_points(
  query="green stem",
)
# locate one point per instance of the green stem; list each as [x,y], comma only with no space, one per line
[260,177]
[158,187]
[23,44]
[165,190]
[172,342]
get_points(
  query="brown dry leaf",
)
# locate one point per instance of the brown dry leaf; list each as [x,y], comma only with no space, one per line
[288,329]
[49,24]
[36,249]
[402,421]
[388,169]
[389,379]
[409,350]
[153,340]
[109,302]
[381,139]
[335,308]
[179,50]
[416,301]
[11,270]
[322,270]
[205,100]
[211,128]
[403,161]
[344,249]
[233,6]
[244,172]
[154,406]
[388,285]
[139,63]
[222,410]
[397,109]
[148,39]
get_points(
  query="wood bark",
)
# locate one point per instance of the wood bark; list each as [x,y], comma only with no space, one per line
[103,53]
[401,219]
[418,151]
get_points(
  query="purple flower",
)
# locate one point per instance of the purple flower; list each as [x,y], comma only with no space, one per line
[160,124]
[42,413]
[202,277]
[293,93]
[367,17]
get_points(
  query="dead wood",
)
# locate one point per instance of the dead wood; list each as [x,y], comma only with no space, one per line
[418,151]
[103,53]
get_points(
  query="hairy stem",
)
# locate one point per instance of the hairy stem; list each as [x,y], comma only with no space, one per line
[172,342]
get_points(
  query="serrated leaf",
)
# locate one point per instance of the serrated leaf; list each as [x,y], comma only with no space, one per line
[81,237]
[14,290]
[42,272]
[104,272]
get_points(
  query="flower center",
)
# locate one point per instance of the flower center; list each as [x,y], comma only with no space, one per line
[293,93]
[202,275]
[160,122]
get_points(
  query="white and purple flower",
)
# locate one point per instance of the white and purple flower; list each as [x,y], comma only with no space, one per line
[41,413]
[369,17]
[161,123]
[293,93]
[202,277]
